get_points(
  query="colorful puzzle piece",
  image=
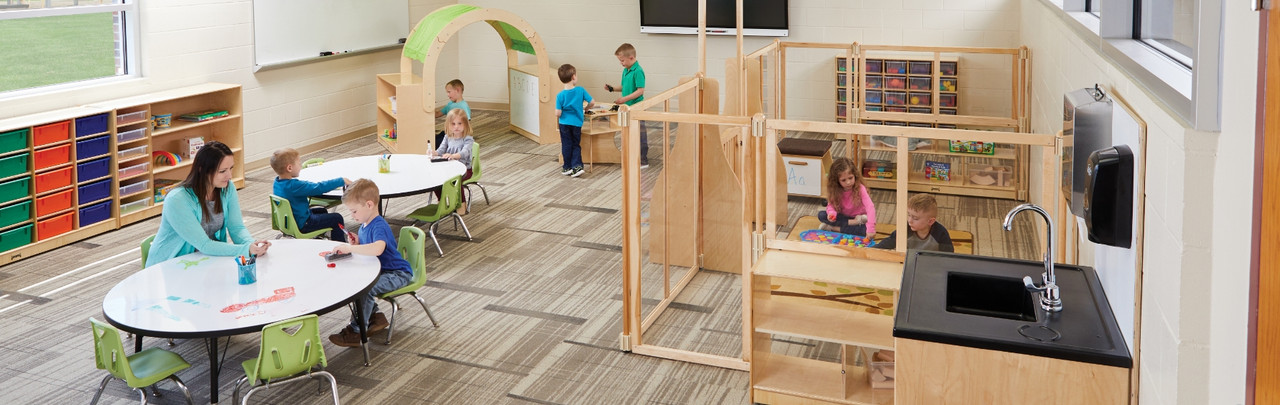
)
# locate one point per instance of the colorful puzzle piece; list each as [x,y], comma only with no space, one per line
[835,238]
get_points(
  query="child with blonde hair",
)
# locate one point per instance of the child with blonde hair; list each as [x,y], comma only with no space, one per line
[457,146]
[849,207]
[287,164]
[374,238]
[926,233]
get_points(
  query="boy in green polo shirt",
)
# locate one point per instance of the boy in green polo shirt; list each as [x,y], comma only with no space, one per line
[632,89]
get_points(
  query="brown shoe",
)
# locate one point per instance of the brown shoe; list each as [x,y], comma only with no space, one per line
[346,338]
[378,322]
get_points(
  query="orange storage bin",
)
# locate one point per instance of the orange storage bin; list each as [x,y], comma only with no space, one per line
[53,203]
[47,134]
[55,226]
[52,156]
[53,180]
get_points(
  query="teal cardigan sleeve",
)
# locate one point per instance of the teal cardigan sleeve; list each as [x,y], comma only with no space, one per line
[182,213]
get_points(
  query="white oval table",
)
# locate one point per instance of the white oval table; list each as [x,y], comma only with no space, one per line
[198,296]
[410,174]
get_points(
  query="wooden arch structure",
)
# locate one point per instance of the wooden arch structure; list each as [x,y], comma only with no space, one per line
[530,85]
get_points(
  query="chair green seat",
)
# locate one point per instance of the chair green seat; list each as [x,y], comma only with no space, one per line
[282,220]
[475,176]
[139,370]
[447,206]
[325,202]
[412,246]
[289,351]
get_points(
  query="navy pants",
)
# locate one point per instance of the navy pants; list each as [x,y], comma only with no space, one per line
[842,222]
[571,146]
[321,219]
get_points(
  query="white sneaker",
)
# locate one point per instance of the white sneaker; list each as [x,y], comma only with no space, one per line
[644,164]
[566,172]
[577,171]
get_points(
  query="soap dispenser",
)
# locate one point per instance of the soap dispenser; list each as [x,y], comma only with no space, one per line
[1108,196]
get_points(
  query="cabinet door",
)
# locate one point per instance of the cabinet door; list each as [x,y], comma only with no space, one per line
[804,175]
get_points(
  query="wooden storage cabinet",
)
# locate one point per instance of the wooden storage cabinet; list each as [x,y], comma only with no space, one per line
[782,379]
[69,174]
[416,132]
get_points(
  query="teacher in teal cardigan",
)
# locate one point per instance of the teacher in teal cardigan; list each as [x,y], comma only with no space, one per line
[203,213]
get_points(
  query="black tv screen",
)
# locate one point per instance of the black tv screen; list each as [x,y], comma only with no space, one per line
[759,17]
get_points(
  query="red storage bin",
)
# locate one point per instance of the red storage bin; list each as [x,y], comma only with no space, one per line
[47,134]
[53,180]
[53,203]
[55,226]
[53,156]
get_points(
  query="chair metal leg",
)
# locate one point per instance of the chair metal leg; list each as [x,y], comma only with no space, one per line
[391,322]
[155,392]
[171,344]
[424,308]
[235,395]
[333,384]
[142,395]
[101,386]
[458,218]
[183,387]
[470,195]
[431,230]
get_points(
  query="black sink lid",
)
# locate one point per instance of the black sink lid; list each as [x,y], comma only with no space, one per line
[1088,328]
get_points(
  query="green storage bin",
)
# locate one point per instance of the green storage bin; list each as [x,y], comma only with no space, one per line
[15,213]
[13,140]
[15,189]
[16,237]
[15,165]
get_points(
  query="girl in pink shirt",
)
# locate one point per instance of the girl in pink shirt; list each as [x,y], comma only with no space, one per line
[849,207]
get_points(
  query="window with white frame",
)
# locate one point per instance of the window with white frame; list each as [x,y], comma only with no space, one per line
[63,42]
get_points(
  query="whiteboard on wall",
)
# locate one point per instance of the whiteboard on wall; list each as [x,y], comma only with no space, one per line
[287,31]
[524,100]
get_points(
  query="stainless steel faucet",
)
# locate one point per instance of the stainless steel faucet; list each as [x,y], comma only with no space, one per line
[1050,297]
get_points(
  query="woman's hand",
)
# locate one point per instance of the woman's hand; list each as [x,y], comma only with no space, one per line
[259,248]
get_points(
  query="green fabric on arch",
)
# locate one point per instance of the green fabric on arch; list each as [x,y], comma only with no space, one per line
[519,42]
[416,46]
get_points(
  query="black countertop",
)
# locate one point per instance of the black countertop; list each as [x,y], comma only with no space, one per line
[1085,330]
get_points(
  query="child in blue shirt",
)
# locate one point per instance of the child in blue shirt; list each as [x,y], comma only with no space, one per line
[288,164]
[569,110]
[361,198]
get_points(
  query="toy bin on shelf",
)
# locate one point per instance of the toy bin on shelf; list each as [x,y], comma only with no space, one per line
[52,203]
[131,189]
[93,124]
[53,180]
[13,141]
[15,238]
[93,169]
[134,206]
[95,213]
[131,135]
[15,213]
[806,162]
[92,147]
[131,153]
[920,83]
[14,165]
[140,168]
[95,191]
[15,189]
[989,175]
[55,226]
[46,158]
[51,133]
[131,118]
[895,82]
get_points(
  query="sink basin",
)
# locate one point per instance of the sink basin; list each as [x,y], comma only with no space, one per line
[986,295]
[980,302]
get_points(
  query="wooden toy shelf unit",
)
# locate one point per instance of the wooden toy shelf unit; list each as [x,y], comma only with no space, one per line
[947,88]
[70,174]
[407,102]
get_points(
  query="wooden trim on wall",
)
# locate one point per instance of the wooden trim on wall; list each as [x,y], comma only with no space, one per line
[1263,377]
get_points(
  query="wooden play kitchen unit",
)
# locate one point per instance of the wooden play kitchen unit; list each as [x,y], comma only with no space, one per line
[69,174]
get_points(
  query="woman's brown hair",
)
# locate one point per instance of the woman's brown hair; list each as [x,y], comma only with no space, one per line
[200,179]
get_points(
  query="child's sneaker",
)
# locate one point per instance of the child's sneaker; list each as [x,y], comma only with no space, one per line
[346,338]
[577,171]
[566,171]
[644,163]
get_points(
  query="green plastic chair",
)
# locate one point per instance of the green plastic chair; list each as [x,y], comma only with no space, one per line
[140,370]
[475,176]
[282,220]
[450,198]
[286,357]
[324,202]
[146,248]
[412,246]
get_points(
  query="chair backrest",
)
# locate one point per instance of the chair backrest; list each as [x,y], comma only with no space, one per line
[282,217]
[146,248]
[108,351]
[412,245]
[312,162]
[475,162]
[450,195]
[285,354]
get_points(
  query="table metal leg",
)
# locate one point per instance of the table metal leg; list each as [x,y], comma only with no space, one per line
[137,343]
[212,345]
[363,326]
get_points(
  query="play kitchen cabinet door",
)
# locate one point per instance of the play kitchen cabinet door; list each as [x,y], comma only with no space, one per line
[804,175]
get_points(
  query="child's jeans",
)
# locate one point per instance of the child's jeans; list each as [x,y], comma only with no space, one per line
[644,144]
[842,222]
[388,281]
[321,219]
[571,146]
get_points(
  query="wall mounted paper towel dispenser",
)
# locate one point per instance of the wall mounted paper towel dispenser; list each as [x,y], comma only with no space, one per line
[1108,196]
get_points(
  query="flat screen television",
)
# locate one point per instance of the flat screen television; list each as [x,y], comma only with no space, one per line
[759,17]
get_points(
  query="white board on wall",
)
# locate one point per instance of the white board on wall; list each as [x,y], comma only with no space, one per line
[524,100]
[287,31]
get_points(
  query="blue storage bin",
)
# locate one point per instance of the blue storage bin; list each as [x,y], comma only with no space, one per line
[95,213]
[93,124]
[92,147]
[93,169]
[95,191]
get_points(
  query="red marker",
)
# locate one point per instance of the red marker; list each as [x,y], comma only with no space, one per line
[333,265]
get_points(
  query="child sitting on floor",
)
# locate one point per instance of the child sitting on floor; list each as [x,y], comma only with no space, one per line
[288,165]
[849,207]
[378,240]
[926,233]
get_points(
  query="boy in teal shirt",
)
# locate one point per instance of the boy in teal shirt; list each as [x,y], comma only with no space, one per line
[632,91]
[569,111]
[453,89]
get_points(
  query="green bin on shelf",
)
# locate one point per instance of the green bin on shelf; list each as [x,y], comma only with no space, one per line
[15,189]
[15,213]
[14,165]
[16,237]
[13,140]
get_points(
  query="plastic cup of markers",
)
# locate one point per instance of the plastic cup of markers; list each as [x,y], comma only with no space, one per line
[384,165]
[248,273]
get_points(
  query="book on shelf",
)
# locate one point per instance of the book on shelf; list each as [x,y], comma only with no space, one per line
[203,115]
[940,171]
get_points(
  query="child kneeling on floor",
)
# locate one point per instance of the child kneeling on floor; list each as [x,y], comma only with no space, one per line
[926,233]
[849,207]
[375,238]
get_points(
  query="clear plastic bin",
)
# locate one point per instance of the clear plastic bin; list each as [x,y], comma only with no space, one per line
[134,188]
[134,206]
[990,175]
[131,118]
[131,152]
[133,135]
[134,170]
